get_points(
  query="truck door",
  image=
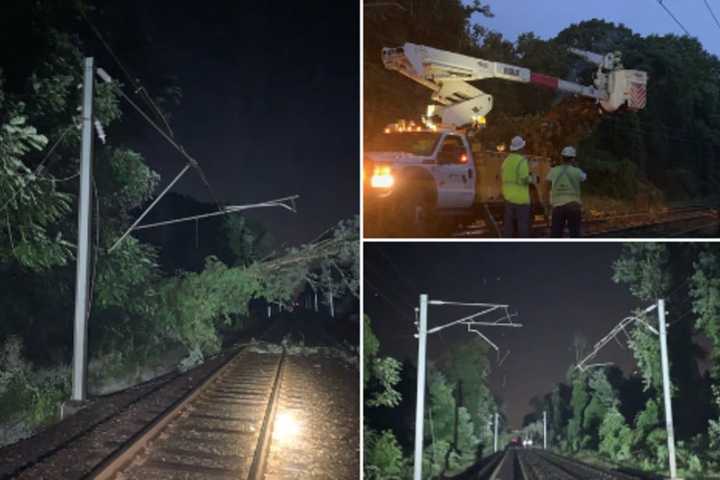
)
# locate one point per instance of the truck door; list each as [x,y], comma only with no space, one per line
[455,174]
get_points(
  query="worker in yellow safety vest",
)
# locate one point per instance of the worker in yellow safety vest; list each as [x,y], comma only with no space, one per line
[565,199]
[516,179]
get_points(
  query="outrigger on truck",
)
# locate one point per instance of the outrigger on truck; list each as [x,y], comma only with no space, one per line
[419,179]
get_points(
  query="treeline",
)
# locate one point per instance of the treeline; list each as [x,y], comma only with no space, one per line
[673,145]
[602,413]
[146,306]
[458,411]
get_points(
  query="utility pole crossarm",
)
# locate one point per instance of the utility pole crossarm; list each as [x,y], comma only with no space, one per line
[280,202]
[423,331]
[463,319]
[624,323]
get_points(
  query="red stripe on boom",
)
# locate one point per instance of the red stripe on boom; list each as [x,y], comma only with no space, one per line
[544,80]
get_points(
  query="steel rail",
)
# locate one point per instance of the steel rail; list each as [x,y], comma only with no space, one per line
[123,458]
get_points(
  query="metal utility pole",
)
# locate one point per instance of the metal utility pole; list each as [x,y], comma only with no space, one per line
[661,332]
[545,429]
[666,388]
[79,377]
[420,403]
[471,323]
[496,432]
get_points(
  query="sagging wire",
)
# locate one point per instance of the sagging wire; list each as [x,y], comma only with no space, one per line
[194,163]
[138,87]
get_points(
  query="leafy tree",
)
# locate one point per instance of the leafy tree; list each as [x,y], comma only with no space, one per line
[452,443]
[381,371]
[578,403]
[705,292]
[383,456]
[468,367]
[615,436]
[643,266]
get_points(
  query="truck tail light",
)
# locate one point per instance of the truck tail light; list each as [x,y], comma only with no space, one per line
[382,177]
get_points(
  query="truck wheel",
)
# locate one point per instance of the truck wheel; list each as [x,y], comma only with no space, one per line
[415,213]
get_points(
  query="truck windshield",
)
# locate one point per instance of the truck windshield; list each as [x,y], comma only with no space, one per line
[415,143]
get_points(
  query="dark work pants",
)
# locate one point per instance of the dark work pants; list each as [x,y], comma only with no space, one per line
[519,213]
[569,214]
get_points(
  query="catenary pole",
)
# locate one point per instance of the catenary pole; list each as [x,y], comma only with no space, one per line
[495,443]
[545,429]
[666,388]
[420,405]
[79,375]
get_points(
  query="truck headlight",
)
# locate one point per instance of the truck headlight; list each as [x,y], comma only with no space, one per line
[382,177]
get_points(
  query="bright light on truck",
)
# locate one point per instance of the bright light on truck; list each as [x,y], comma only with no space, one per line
[382,177]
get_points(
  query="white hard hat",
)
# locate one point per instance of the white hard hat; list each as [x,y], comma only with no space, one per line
[517,143]
[568,152]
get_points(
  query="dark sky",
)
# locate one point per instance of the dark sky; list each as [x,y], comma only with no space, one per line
[558,289]
[270,100]
[644,17]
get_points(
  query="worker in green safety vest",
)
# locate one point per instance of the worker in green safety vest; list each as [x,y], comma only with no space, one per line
[565,199]
[516,179]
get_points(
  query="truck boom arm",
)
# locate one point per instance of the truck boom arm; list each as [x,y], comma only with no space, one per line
[448,75]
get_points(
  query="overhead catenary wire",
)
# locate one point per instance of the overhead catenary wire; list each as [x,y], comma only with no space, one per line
[194,163]
[138,87]
[660,2]
[707,4]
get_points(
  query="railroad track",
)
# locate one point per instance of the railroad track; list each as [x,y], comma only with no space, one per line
[533,464]
[222,429]
[676,222]
[254,414]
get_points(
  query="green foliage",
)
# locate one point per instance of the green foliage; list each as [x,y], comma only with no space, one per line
[468,367]
[29,208]
[578,403]
[714,424]
[383,456]
[128,181]
[452,443]
[380,373]
[125,277]
[602,399]
[646,350]
[36,206]
[27,394]
[646,427]
[705,292]
[248,240]
[191,304]
[643,267]
[615,436]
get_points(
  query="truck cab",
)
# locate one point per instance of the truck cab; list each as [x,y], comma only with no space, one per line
[437,161]
[421,180]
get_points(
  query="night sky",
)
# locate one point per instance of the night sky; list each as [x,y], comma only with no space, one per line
[270,98]
[558,289]
[643,17]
